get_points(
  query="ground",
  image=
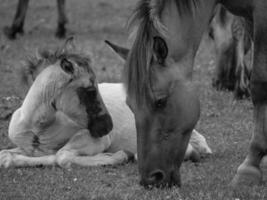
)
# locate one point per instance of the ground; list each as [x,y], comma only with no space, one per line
[227,124]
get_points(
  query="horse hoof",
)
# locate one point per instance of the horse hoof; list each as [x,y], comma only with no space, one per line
[9,33]
[61,33]
[241,94]
[217,84]
[247,176]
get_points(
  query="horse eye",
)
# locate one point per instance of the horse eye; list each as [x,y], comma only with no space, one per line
[161,103]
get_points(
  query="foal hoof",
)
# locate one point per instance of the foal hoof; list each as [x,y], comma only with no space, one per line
[130,155]
[122,157]
[195,156]
[6,159]
[248,176]
[63,159]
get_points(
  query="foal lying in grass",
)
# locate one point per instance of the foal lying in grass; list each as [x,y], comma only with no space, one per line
[67,118]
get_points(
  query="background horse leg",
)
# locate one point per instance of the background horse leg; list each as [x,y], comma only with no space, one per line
[225,67]
[84,150]
[249,171]
[232,41]
[241,34]
[220,32]
[242,72]
[62,19]
[18,22]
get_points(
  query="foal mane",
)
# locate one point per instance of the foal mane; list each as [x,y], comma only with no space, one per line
[33,65]
[147,18]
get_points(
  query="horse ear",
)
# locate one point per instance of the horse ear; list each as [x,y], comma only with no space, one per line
[160,48]
[121,51]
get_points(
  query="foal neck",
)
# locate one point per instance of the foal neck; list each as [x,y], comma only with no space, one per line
[41,93]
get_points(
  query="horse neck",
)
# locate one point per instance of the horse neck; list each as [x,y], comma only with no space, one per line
[239,7]
[185,31]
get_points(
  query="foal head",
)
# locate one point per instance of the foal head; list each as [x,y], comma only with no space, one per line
[157,76]
[64,81]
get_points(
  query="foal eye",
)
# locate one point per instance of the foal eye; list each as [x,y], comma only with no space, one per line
[161,103]
[67,66]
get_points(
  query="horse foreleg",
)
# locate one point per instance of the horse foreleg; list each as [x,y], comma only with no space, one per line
[62,19]
[85,150]
[249,171]
[18,22]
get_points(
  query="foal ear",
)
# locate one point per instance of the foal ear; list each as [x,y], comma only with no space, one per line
[160,48]
[121,51]
[69,45]
[67,66]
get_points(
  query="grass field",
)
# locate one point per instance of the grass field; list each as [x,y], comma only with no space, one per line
[225,123]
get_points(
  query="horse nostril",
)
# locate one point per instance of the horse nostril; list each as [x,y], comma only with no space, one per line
[156,176]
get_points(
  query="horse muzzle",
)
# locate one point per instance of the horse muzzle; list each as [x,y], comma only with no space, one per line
[161,179]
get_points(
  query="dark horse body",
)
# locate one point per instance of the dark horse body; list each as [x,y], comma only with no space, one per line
[158,75]
[232,42]
[18,21]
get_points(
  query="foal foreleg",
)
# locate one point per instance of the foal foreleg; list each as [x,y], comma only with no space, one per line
[18,22]
[62,19]
[65,159]
[17,158]
[85,150]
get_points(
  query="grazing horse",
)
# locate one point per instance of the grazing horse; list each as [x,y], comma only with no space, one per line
[18,21]
[232,43]
[64,119]
[157,78]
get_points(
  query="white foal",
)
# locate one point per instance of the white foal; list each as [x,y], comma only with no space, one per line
[83,149]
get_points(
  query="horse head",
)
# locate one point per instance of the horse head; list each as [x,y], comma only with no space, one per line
[157,78]
[165,124]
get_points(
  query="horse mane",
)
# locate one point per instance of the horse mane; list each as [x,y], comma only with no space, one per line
[147,18]
[33,65]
